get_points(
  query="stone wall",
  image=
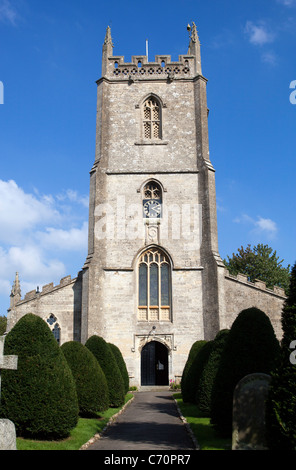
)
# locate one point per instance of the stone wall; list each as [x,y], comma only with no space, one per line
[241,294]
[63,301]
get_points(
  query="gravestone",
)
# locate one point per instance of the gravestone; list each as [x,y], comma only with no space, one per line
[248,426]
[7,428]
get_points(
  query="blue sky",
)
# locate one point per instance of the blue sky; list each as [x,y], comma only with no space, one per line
[50,58]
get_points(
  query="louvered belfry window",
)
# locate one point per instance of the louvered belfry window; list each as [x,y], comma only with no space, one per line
[152,119]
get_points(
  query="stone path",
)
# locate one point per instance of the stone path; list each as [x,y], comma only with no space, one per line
[150,422]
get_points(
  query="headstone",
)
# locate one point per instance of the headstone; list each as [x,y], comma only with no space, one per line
[7,428]
[248,426]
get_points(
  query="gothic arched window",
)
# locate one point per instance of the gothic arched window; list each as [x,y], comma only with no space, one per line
[154,286]
[152,119]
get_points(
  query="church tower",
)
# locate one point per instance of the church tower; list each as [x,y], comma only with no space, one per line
[152,280]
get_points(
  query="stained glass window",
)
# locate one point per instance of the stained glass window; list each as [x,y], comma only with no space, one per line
[165,285]
[154,286]
[143,284]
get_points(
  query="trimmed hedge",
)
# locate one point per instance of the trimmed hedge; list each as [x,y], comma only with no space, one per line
[102,352]
[90,380]
[207,379]
[196,369]
[121,364]
[40,396]
[251,347]
[281,401]
[187,394]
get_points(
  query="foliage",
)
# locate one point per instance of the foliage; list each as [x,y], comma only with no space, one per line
[201,427]
[40,396]
[281,402]
[3,324]
[207,379]
[262,263]
[80,435]
[187,394]
[196,369]
[251,347]
[90,380]
[121,364]
[102,352]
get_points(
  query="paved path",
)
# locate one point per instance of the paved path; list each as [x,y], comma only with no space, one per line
[150,422]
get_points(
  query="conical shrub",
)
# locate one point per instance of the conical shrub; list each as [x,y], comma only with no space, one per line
[102,352]
[188,394]
[91,384]
[121,364]
[251,347]
[40,396]
[206,383]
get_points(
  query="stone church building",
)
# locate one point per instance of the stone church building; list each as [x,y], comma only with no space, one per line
[153,281]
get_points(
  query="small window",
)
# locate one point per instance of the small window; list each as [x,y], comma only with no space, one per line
[152,119]
[55,328]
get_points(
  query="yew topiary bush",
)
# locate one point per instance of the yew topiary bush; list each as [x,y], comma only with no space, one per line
[91,384]
[102,352]
[188,394]
[121,364]
[251,347]
[40,396]
[207,379]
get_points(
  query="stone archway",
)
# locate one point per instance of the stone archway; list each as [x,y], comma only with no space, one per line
[154,364]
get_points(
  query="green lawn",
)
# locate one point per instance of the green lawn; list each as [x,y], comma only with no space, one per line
[203,431]
[84,431]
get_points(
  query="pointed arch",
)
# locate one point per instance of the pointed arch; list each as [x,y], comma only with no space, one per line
[154,274]
[152,117]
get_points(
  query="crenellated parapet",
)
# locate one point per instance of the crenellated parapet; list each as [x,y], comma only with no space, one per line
[46,289]
[140,69]
[257,284]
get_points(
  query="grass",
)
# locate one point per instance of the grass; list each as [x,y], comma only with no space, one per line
[82,433]
[201,427]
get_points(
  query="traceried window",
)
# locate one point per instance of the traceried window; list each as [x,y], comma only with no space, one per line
[154,286]
[152,119]
[55,328]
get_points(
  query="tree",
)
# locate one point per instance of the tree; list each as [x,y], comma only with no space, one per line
[90,380]
[102,352]
[40,396]
[281,402]
[251,347]
[261,263]
[3,324]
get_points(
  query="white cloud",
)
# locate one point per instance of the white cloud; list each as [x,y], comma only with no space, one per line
[40,236]
[8,12]
[269,58]
[74,239]
[20,211]
[287,3]
[259,34]
[261,225]
[73,196]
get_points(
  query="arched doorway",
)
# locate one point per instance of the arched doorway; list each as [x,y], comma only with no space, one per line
[154,364]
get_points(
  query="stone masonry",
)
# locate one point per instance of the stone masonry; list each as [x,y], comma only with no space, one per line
[152,132]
